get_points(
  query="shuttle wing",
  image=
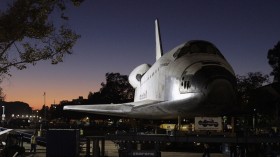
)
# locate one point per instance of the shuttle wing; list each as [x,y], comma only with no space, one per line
[4,131]
[110,109]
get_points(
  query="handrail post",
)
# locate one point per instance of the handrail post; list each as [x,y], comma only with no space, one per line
[87,147]
[103,147]
[96,149]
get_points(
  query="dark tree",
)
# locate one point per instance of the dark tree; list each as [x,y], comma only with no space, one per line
[267,102]
[2,95]
[247,84]
[95,98]
[16,108]
[116,90]
[28,34]
[273,57]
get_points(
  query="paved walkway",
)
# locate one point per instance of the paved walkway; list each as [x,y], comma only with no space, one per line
[111,151]
[41,151]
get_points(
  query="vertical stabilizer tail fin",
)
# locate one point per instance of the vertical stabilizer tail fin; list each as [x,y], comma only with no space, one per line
[158,40]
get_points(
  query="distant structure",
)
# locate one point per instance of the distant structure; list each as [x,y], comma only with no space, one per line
[54,106]
[80,100]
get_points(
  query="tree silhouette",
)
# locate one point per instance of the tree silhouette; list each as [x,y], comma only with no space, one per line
[266,99]
[273,57]
[247,84]
[16,108]
[28,34]
[2,95]
[116,90]
[246,87]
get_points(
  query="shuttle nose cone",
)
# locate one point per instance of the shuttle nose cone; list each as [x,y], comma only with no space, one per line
[220,92]
[217,85]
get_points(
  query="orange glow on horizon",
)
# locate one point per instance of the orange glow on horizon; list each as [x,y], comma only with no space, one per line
[37,102]
[34,96]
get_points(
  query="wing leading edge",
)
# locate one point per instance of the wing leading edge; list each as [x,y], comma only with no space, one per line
[110,109]
[4,131]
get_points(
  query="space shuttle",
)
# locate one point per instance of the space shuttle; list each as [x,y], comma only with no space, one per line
[193,79]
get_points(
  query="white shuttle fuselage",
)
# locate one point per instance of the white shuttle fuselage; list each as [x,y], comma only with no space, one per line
[192,79]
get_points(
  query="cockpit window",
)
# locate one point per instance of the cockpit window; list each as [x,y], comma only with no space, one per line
[197,47]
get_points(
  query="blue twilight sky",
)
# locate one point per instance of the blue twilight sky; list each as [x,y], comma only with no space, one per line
[118,35]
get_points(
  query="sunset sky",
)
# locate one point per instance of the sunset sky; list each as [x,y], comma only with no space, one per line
[118,35]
